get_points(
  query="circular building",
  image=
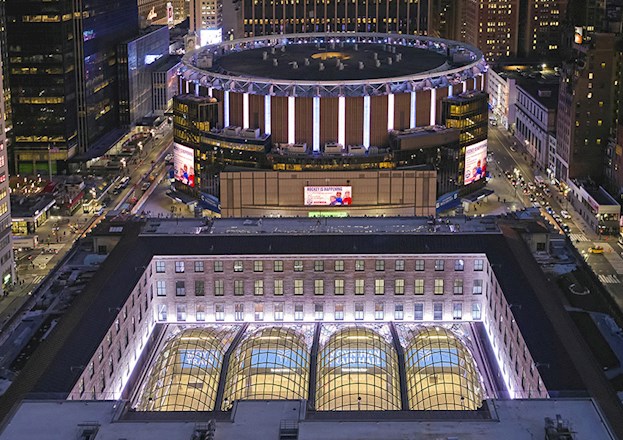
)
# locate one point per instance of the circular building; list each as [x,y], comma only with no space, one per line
[331,92]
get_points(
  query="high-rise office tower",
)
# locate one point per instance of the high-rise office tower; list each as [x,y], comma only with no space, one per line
[585,109]
[540,25]
[206,19]
[445,18]
[262,17]
[63,76]
[492,26]
[7,268]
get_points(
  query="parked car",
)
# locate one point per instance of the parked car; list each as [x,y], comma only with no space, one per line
[565,214]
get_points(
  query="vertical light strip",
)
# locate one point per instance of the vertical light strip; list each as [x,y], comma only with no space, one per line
[464,86]
[291,119]
[412,119]
[433,106]
[341,121]
[366,121]
[390,112]
[482,81]
[210,92]
[316,121]
[245,110]
[187,86]
[196,89]
[450,90]
[226,109]
[267,115]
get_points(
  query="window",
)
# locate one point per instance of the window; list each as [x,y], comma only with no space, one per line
[318,266]
[459,265]
[360,265]
[200,312]
[258,287]
[399,312]
[259,311]
[239,312]
[438,286]
[437,311]
[379,286]
[298,312]
[476,312]
[379,265]
[238,266]
[339,312]
[477,289]
[458,286]
[160,267]
[258,266]
[181,312]
[359,311]
[457,311]
[318,312]
[218,266]
[179,267]
[180,288]
[379,311]
[360,287]
[318,287]
[219,312]
[338,266]
[478,265]
[278,266]
[278,287]
[161,288]
[162,312]
[200,289]
[400,265]
[419,265]
[298,265]
[238,287]
[339,286]
[219,289]
[298,287]
[418,312]
[279,311]
[439,265]
[198,266]
[399,287]
[419,286]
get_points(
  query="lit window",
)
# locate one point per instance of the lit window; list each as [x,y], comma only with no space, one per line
[400,265]
[478,265]
[278,287]
[339,265]
[160,266]
[439,265]
[318,266]
[258,266]
[219,289]
[218,266]
[379,265]
[458,286]
[360,265]
[419,265]
[198,266]
[238,287]
[298,287]
[477,289]
[438,286]
[318,287]
[379,286]
[459,265]
[258,287]
[161,289]
[339,286]
[298,266]
[419,286]
[179,267]
[278,265]
[238,266]
[360,287]
[399,287]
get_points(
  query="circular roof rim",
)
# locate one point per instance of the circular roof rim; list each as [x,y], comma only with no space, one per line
[187,60]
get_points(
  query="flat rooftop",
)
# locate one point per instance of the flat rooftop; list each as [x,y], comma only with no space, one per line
[250,63]
[510,419]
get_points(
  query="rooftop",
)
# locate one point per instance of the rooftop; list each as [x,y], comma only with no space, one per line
[533,87]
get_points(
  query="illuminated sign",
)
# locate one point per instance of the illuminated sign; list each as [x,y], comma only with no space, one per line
[357,358]
[327,214]
[276,358]
[210,36]
[578,36]
[475,162]
[328,195]
[184,164]
[204,359]
[426,357]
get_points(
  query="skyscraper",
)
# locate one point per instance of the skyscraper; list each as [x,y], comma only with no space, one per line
[63,76]
[7,270]
[539,30]
[492,26]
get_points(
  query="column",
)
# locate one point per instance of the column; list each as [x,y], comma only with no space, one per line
[226,108]
[291,120]
[245,110]
[316,121]
[341,121]
[366,121]
[433,106]
[267,115]
[412,114]
[390,112]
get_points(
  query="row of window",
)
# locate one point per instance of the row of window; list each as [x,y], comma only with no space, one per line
[319,312]
[319,265]
[319,288]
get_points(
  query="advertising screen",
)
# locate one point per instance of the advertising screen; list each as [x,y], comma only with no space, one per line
[475,162]
[204,359]
[184,164]
[210,36]
[328,195]
[578,37]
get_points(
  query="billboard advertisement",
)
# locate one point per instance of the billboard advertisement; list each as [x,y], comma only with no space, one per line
[169,13]
[184,164]
[328,195]
[210,36]
[578,36]
[475,162]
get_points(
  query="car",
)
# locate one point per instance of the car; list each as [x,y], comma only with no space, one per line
[145,186]
[547,192]
[512,148]
[549,210]
[596,250]
[168,157]
[565,214]
[565,228]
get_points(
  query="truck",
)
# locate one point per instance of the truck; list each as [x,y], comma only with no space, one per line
[25,242]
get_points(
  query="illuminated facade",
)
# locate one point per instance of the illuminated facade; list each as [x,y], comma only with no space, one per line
[283,17]
[492,27]
[7,266]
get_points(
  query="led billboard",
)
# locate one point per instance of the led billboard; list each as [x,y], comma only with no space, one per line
[210,36]
[184,164]
[475,162]
[328,195]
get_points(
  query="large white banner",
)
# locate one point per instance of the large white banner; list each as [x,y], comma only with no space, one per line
[328,195]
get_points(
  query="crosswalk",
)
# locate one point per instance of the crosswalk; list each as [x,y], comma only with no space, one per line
[609,279]
[37,280]
[578,237]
